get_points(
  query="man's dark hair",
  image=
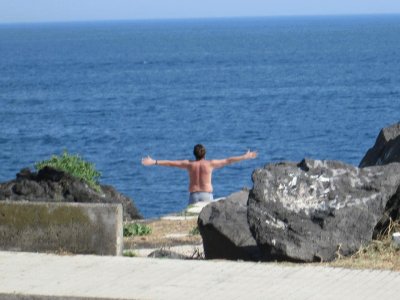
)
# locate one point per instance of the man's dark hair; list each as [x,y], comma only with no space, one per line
[199,151]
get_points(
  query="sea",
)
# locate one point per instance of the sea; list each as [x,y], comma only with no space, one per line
[318,87]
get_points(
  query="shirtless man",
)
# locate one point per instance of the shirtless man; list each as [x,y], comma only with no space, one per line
[200,171]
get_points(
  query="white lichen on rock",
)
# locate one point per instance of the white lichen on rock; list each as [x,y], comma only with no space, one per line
[316,188]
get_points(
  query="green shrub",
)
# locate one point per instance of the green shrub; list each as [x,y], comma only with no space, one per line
[75,166]
[129,253]
[136,229]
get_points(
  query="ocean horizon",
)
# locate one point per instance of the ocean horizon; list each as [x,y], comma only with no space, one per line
[202,19]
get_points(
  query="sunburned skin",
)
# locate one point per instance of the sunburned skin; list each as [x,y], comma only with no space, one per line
[200,171]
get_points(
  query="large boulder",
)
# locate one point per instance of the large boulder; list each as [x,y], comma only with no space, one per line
[386,148]
[315,209]
[224,229]
[51,185]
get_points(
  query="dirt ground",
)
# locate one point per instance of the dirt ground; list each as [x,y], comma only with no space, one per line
[180,232]
[166,233]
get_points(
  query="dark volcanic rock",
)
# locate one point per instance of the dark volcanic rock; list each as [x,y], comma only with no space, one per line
[392,212]
[386,148]
[224,229]
[50,185]
[311,210]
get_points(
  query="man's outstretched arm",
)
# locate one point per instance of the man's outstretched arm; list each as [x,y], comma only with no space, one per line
[182,164]
[219,163]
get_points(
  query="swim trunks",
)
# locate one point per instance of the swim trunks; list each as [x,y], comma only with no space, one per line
[200,196]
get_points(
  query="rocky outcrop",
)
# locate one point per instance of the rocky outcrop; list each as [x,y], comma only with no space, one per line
[51,185]
[386,148]
[312,210]
[224,229]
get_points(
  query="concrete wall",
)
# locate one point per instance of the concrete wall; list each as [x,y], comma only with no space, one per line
[83,228]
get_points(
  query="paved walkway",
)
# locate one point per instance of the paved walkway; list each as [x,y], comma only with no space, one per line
[86,277]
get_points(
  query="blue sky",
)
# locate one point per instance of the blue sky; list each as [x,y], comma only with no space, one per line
[79,10]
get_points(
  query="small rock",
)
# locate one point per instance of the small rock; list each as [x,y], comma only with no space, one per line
[162,253]
[396,240]
[197,207]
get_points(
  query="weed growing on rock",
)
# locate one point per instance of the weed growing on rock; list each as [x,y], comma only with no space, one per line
[75,166]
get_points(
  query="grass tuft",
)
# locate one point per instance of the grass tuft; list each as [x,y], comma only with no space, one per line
[379,254]
[195,231]
[129,253]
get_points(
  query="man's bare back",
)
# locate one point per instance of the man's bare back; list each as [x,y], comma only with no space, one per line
[200,173]
[200,170]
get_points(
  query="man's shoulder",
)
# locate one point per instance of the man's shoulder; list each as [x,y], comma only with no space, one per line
[202,162]
[199,161]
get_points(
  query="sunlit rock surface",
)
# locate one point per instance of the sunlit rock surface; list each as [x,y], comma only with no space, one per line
[315,209]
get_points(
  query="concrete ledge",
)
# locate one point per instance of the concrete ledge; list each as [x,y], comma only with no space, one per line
[40,297]
[83,228]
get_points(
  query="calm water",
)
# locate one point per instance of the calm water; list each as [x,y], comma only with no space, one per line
[319,87]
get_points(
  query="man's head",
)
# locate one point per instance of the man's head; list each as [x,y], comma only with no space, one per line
[199,151]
